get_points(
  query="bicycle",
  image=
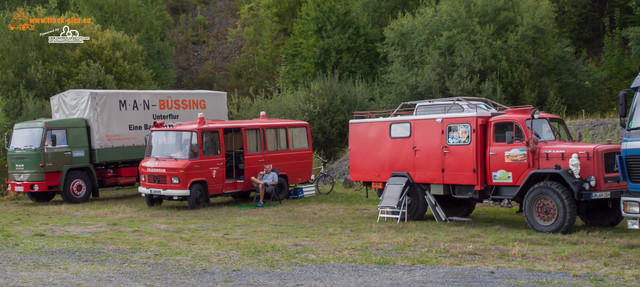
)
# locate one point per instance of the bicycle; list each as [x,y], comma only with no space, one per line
[323,181]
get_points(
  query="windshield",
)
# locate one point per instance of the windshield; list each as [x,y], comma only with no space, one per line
[550,130]
[634,113]
[173,144]
[26,138]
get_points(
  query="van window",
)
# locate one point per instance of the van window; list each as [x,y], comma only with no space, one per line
[500,132]
[210,143]
[276,139]
[254,141]
[400,130]
[298,138]
[459,134]
[61,137]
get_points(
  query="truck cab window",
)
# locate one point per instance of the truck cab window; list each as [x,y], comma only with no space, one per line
[542,130]
[60,138]
[500,132]
[210,143]
[193,148]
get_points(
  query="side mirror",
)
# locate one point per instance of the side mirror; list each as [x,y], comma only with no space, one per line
[509,137]
[579,136]
[54,140]
[622,104]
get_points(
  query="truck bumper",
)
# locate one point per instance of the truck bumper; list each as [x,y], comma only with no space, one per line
[33,186]
[165,192]
[630,205]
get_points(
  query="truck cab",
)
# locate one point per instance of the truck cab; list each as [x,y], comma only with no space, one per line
[470,150]
[41,152]
[629,160]
[194,161]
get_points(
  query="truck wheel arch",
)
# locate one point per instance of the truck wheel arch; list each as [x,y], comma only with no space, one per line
[88,169]
[558,175]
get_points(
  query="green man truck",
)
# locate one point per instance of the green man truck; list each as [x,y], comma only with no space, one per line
[95,139]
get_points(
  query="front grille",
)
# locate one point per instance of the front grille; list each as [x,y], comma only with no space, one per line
[610,163]
[633,168]
[159,179]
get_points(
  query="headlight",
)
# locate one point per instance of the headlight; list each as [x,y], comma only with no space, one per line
[8,186]
[631,207]
[591,180]
[142,177]
[35,187]
[175,180]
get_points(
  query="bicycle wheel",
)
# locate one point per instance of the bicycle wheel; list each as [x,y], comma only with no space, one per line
[324,183]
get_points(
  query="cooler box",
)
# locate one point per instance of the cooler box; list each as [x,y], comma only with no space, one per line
[296,193]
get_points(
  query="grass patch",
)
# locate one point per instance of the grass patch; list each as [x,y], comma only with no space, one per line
[336,228]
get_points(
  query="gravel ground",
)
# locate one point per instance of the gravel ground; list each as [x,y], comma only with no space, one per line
[101,266]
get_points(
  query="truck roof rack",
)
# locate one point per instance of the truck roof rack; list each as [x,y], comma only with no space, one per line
[437,106]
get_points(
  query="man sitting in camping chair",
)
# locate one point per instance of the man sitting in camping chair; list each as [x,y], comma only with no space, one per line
[266,179]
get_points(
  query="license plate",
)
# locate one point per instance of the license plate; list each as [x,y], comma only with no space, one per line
[154,191]
[601,195]
[19,188]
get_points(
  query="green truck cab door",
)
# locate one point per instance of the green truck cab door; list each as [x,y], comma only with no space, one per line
[56,149]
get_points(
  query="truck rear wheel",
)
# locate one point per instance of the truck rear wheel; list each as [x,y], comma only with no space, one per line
[601,213]
[455,207]
[41,196]
[416,203]
[549,207]
[152,200]
[77,187]
[282,188]
[196,196]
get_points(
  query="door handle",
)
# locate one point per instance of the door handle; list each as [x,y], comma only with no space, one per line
[445,151]
[261,160]
[492,153]
[221,163]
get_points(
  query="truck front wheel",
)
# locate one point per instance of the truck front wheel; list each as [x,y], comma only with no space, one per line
[77,187]
[41,196]
[601,212]
[196,196]
[549,207]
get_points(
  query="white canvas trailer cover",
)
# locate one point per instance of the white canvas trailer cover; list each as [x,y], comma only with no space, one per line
[122,118]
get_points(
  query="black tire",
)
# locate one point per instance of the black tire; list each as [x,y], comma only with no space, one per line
[601,212]
[282,188]
[549,207]
[152,200]
[77,187]
[196,196]
[324,183]
[455,207]
[41,196]
[416,203]
[379,192]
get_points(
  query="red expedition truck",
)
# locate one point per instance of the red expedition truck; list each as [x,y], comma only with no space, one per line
[194,161]
[467,150]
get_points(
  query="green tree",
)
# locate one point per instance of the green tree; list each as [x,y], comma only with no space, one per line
[510,51]
[147,21]
[331,37]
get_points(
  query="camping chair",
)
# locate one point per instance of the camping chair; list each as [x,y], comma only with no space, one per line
[271,191]
[393,203]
